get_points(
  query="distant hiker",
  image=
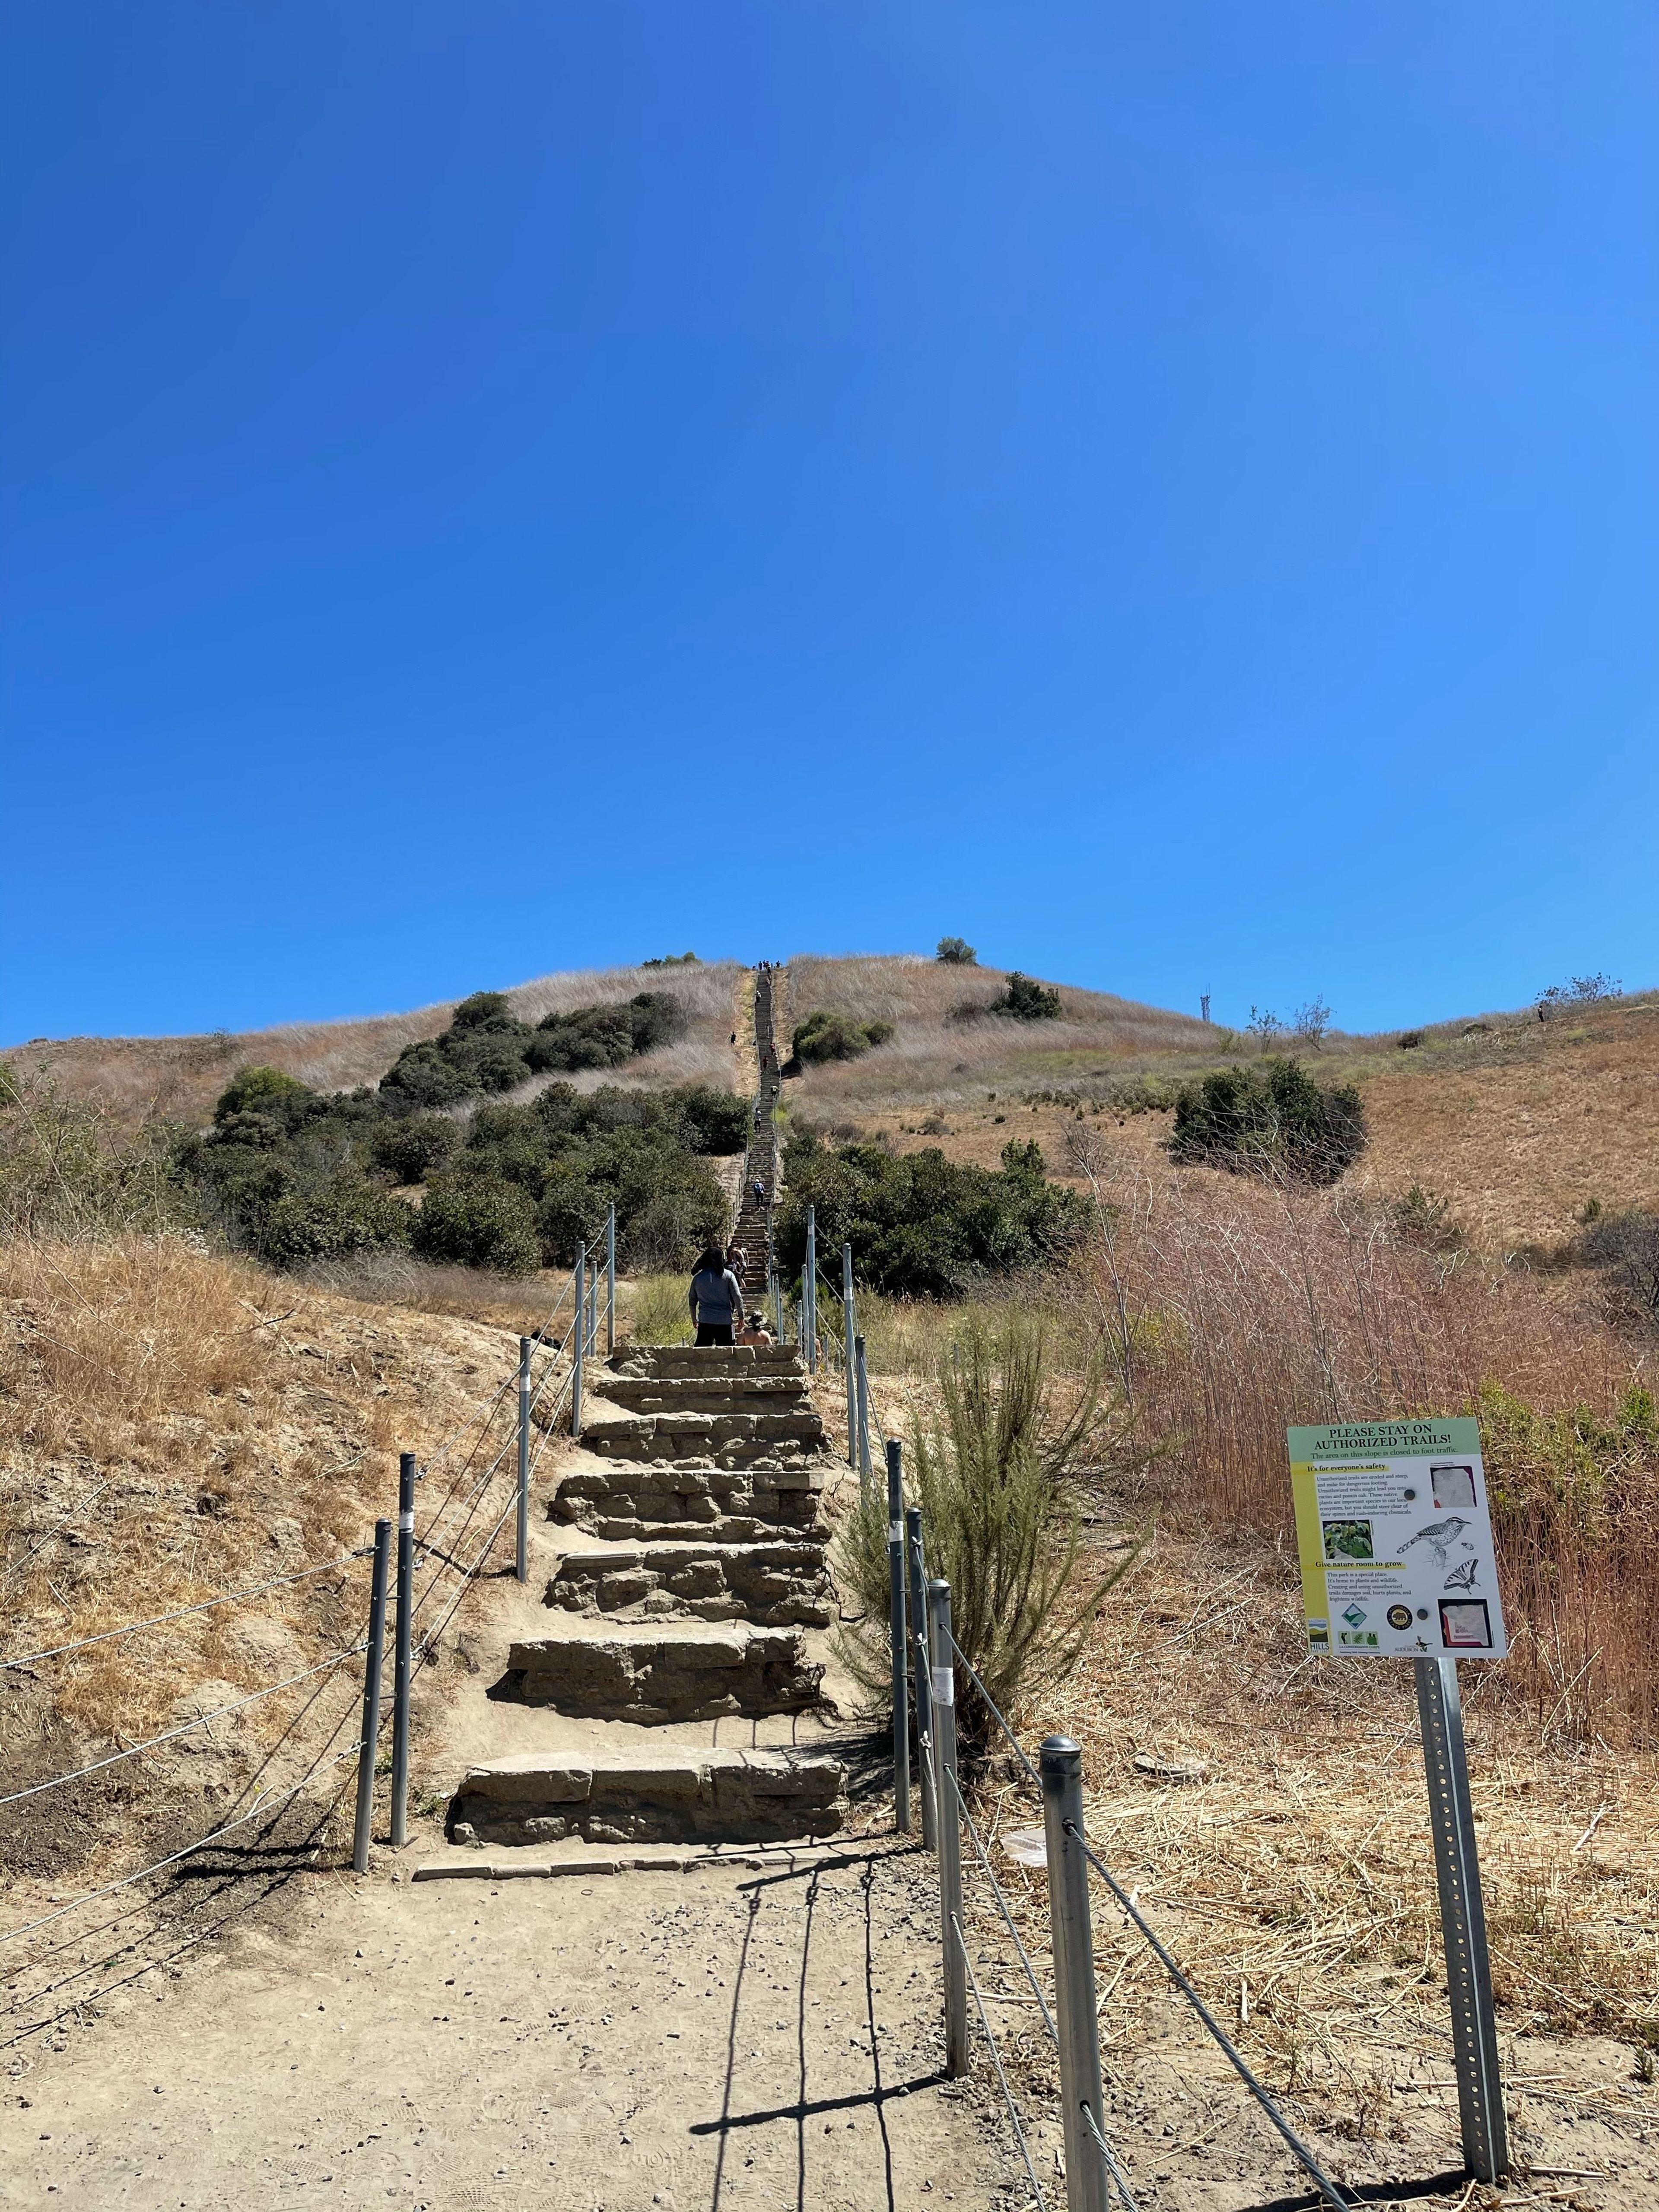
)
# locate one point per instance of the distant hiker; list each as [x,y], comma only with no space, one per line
[756,1332]
[759,1190]
[715,1298]
[734,1036]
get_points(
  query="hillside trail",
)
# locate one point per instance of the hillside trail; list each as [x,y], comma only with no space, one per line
[639,1952]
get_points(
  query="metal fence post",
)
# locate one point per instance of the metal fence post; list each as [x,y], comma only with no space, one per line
[611,1283]
[1060,1764]
[896,1610]
[522,1552]
[950,1829]
[404,1645]
[370,1743]
[921,1630]
[1462,1921]
[849,1318]
[864,1414]
[809,1293]
[775,1287]
[577,1334]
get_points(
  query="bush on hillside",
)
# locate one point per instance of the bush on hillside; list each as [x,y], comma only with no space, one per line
[265,1091]
[1272,1119]
[1027,1000]
[487,1049]
[1627,1245]
[331,1225]
[957,952]
[478,1221]
[66,1171]
[410,1150]
[823,1036]
[674,960]
[923,1226]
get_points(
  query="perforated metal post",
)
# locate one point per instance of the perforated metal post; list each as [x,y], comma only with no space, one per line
[848,1322]
[401,1671]
[369,1739]
[776,1289]
[919,1632]
[895,1611]
[610,1283]
[950,1828]
[578,1333]
[864,1414]
[521,1541]
[1462,1921]
[1061,1766]
[809,1293]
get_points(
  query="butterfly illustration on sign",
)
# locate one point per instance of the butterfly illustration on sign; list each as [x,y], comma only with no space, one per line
[1440,1536]
[1464,1578]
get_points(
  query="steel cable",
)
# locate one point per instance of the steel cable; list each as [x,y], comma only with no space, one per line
[1120,2179]
[996,2060]
[80,1773]
[206,1604]
[1002,1906]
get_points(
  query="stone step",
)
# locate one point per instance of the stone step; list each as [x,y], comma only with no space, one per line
[799,1424]
[651,1794]
[722,1359]
[778,1584]
[657,1671]
[717,1504]
[704,1394]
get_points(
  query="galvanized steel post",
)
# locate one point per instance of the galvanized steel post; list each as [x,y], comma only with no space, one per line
[521,1544]
[404,1645]
[610,1283]
[369,1741]
[895,1611]
[864,1414]
[1462,1921]
[926,1744]
[809,1293]
[577,1334]
[1060,1764]
[950,1829]
[848,1332]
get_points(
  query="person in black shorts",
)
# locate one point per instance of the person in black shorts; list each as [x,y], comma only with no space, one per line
[714,1298]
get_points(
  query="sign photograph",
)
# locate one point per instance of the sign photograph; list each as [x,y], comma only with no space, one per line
[1394,1536]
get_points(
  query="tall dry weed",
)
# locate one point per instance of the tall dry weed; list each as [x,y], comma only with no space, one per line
[1231,1309]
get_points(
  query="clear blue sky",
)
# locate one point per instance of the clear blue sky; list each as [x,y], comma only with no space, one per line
[1168,493]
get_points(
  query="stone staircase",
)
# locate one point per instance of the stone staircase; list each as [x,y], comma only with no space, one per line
[753,1234]
[689,1591]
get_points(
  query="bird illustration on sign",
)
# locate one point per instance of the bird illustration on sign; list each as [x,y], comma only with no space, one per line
[1440,1536]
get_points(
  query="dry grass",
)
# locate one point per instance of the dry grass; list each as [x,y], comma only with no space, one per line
[178,1079]
[1293,1872]
[174,1425]
[931,1055]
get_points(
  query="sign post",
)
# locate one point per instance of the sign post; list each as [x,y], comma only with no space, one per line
[1394,1537]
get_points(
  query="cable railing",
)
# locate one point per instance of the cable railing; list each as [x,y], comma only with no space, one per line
[545,1397]
[927,1661]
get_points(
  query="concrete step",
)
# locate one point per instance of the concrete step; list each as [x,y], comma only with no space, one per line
[714,1359]
[777,1584]
[651,1794]
[733,1504]
[703,1394]
[659,1671]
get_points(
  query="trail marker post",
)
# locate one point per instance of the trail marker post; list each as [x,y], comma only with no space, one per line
[1394,1536]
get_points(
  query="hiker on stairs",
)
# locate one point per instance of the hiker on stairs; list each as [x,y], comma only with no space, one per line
[715,1297]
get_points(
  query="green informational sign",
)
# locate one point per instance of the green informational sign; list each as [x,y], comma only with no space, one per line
[1395,1540]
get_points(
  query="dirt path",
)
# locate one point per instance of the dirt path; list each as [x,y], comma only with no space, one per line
[715,2039]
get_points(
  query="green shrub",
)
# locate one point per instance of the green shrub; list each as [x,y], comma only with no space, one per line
[674,960]
[410,1150]
[478,1221]
[716,1122]
[824,1036]
[992,1479]
[1627,1244]
[1027,1001]
[483,1010]
[329,1225]
[266,1090]
[923,1226]
[957,952]
[1274,1119]
[67,1171]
